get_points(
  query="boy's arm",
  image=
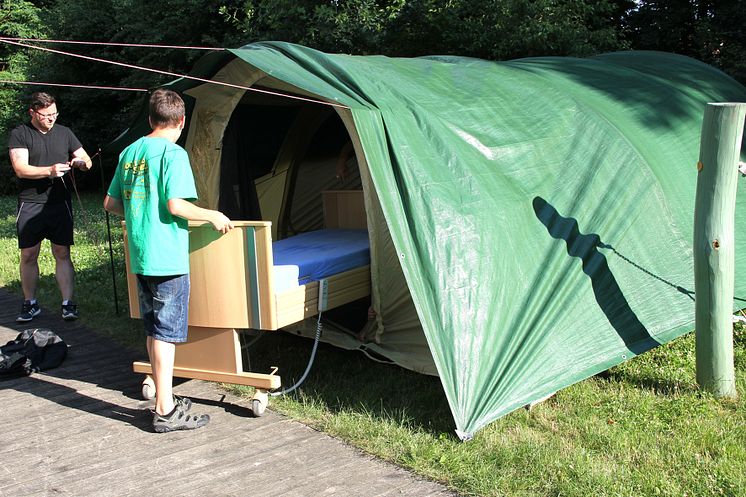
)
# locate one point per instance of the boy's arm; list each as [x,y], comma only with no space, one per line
[187,210]
[114,205]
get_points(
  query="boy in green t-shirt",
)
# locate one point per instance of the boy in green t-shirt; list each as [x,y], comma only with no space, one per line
[152,189]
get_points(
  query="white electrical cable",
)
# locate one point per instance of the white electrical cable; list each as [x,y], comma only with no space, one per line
[310,363]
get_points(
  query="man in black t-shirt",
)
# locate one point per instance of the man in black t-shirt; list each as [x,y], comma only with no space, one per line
[41,153]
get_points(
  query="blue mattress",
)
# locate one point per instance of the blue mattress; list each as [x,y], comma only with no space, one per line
[322,253]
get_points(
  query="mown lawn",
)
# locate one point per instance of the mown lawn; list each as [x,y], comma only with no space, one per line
[641,429]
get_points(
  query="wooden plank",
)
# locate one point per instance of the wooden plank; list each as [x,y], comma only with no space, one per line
[258,380]
[70,420]
[131,278]
[348,294]
[265,261]
[217,270]
[348,286]
[344,209]
[214,349]
[116,453]
[60,395]
[194,470]
[220,295]
[297,304]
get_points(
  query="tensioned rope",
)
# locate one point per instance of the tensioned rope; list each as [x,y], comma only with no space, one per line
[112,44]
[92,87]
[15,41]
[173,74]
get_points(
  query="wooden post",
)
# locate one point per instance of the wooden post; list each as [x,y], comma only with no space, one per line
[714,252]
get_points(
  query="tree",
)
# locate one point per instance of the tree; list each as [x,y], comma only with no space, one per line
[352,26]
[711,31]
[168,22]
[491,29]
[18,19]
[99,116]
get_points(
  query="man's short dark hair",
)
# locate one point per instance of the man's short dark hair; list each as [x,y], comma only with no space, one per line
[166,108]
[41,100]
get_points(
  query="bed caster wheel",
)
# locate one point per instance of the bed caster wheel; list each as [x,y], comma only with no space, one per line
[259,402]
[257,408]
[148,388]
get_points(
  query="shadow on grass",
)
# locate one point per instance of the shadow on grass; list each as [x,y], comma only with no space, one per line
[347,381]
[660,386]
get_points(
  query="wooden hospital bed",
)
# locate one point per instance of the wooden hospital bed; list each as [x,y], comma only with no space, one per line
[236,285]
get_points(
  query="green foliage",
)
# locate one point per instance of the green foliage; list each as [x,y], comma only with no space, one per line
[18,19]
[711,31]
[506,29]
[354,26]
[490,29]
[99,116]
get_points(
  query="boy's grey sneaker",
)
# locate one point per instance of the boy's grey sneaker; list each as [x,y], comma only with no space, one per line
[179,419]
[186,402]
[28,311]
[69,311]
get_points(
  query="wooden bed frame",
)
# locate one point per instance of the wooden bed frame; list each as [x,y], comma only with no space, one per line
[232,288]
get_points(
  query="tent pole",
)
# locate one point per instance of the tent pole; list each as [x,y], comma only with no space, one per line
[714,250]
[108,236]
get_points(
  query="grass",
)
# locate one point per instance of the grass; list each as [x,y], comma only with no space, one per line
[93,275]
[643,428]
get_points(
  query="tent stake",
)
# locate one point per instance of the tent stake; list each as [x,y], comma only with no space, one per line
[714,250]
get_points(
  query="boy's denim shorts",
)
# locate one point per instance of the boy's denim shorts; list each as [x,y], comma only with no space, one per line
[164,306]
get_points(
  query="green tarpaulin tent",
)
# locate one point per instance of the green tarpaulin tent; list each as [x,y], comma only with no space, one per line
[530,221]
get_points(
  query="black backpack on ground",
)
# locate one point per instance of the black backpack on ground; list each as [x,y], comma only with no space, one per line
[35,349]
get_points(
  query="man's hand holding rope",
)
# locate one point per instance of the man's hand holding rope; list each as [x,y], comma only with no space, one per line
[58,170]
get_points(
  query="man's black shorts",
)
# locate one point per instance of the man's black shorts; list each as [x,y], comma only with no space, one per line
[35,222]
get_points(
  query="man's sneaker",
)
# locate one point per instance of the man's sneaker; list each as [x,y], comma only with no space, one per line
[28,311]
[179,419]
[69,311]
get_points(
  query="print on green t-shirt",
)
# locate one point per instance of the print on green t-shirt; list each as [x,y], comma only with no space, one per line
[152,171]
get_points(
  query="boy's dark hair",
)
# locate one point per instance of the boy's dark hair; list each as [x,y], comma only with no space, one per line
[166,109]
[41,100]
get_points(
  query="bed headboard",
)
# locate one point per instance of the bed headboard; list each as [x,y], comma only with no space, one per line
[344,209]
[230,274]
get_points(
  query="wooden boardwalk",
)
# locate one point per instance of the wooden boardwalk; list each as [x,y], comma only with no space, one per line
[83,430]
